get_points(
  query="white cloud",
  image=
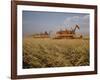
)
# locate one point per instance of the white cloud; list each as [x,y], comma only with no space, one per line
[72,19]
[75,17]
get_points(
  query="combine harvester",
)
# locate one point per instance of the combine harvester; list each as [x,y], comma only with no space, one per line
[42,35]
[68,34]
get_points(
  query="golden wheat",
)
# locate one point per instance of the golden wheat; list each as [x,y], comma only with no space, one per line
[39,53]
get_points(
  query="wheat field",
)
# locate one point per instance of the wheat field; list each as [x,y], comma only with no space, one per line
[42,53]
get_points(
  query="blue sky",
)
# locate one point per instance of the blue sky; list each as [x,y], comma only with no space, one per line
[36,22]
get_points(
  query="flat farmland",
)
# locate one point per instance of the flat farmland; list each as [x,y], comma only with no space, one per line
[47,52]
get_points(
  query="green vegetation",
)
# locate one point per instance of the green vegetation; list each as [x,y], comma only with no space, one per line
[40,53]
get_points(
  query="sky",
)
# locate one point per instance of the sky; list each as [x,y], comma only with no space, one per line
[37,22]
